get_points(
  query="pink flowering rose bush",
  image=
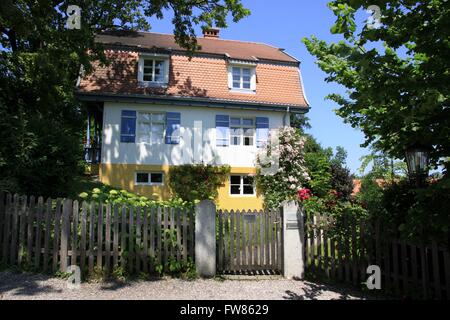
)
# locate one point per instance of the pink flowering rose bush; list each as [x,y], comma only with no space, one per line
[291,173]
[304,194]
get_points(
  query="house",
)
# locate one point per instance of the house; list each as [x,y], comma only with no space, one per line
[154,107]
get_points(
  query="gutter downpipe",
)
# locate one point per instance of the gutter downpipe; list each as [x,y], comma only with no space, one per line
[286,117]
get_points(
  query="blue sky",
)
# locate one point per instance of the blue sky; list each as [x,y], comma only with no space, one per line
[283,24]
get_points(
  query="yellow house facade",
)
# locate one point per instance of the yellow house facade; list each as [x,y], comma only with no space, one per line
[156,109]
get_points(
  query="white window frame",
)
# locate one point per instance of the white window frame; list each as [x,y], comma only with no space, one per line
[149,183]
[242,126]
[150,122]
[241,186]
[165,71]
[242,65]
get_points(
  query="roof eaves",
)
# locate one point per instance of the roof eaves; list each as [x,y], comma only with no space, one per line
[289,55]
[190,101]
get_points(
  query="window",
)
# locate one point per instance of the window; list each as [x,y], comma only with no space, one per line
[242,131]
[242,185]
[151,127]
[242,78]
[222,130]
[128,126]
[149,178]
[153,70]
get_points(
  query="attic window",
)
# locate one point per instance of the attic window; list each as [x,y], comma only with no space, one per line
[153,70]
[242,78]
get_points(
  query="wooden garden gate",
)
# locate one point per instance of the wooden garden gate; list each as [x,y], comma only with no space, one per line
[249,242]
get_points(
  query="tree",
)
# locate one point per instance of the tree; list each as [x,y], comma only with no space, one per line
[40,60]
[300,122]
[327,170]
[317,160]
[342,179]
[397,75]
[383,166]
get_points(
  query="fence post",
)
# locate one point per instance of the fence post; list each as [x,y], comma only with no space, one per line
[65,234]
[293,240]
[205,238]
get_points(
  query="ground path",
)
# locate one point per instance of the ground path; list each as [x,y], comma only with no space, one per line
[26,286]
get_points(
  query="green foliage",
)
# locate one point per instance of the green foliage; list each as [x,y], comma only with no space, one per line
[431,210]
[370,194]
[107,194]
[159,268]
[197,182]
[383,166]
[319,169]
[40,60]
[62,275]
[300,122]
[39,126]
[417,214]
[183,269]
[98,274]
[327,170]
[187,14]
[119,273]
[342,181]
[335,214]
[397,75]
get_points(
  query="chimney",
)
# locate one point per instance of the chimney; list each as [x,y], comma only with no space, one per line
[211,32]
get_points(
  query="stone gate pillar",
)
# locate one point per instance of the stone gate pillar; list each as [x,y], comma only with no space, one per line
[205,238]
[293,240]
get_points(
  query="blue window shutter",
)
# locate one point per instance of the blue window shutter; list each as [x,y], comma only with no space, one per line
[128,126]
[173,120]
[262,131]
[222,130]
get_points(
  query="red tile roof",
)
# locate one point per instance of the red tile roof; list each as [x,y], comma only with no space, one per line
[277,74]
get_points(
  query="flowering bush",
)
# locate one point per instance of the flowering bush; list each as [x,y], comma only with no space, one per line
[304,194]
[107,194]
[291,174]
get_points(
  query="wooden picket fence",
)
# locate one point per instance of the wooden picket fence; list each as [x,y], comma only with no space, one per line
[407,270]
[249,242]
[51,235]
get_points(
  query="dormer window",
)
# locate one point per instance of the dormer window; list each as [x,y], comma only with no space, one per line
[242,77]
[153,70]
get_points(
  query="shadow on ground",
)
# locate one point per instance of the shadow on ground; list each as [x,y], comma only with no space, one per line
[25,284]
[315,291]
[30,284]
